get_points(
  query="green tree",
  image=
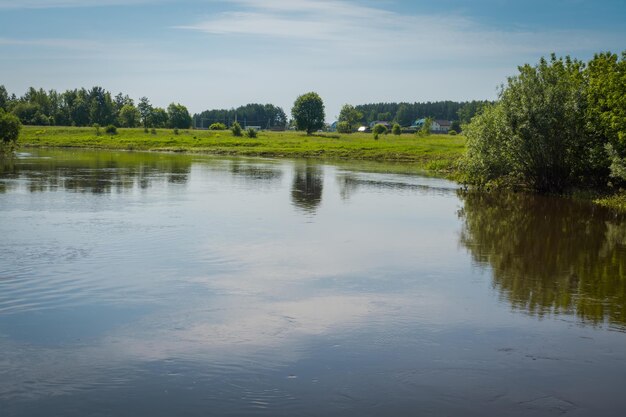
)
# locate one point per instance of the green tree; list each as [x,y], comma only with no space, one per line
[344,127]
[404,115]
[145,111]
[396,129]
[4,98]
[100,106]
[350,115]
[308,112]
[178,116]
[9,127]
[606,107]
[425,129]
[129,116]
[158,117]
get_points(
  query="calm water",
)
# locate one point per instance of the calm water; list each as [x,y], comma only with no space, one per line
[170,285]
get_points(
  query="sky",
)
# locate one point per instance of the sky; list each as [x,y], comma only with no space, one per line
[210,54]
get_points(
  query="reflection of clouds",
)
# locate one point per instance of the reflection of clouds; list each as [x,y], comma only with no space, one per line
[247,323]
[248,331]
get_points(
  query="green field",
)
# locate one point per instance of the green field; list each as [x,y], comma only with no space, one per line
[438,153]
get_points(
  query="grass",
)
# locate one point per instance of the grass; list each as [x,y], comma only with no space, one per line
[437,153]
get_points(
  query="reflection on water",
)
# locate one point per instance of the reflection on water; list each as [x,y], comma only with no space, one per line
[165,284]
[550,255]
[95,172]
[308,183]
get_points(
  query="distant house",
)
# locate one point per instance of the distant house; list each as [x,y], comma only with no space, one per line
[441,126]
[436,126]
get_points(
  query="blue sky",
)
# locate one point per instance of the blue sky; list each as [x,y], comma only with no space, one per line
[224,53]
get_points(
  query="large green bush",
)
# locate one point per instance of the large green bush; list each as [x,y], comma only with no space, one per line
[217,126]
[540,134]
[236,129]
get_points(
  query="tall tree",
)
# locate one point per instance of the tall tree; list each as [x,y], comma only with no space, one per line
[308,112]
[178,116]
[129,116]
[351,116]
[145,110]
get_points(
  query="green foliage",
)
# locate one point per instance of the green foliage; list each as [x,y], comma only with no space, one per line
[379,129]
[425,129]
[265,115]
[145,111]
[9,127]
[468,110]
[349,116]
[153,131]
[540,134]
[251,133]
[404,115]
[452,132]
[396,129]
[4,98]
[111,130]
[96,126]
[158,117]
[175,131]
[217,126]
[236,129]
[606,107]
[178,116]
[344,127]
[487,155]
[308,112]
[129,116]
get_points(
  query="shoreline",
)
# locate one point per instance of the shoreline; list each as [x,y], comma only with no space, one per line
[434,155]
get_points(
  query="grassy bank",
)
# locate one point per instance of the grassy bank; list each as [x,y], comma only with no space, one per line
[438,153]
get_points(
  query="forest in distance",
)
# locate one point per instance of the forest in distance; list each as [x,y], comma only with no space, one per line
[85,107]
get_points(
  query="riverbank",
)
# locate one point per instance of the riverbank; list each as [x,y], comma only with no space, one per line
[435,153]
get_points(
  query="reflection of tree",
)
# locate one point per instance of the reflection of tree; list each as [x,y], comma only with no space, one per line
[94,172]
[348,185]
[550,255]
[308,183]
[255,174]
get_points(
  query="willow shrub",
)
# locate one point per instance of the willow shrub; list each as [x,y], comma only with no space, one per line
[536,135]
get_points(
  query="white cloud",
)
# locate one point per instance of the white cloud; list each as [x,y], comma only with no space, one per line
[342,28]
[49,4]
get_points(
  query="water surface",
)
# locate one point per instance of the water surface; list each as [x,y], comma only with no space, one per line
[155,284]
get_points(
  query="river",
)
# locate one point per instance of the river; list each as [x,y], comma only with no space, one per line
[137,284]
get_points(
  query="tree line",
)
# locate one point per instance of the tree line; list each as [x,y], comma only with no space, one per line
[405,114]
[557,126]
[265,116]
[86,107]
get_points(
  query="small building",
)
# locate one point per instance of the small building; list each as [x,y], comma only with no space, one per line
[436,126]
[442,126]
